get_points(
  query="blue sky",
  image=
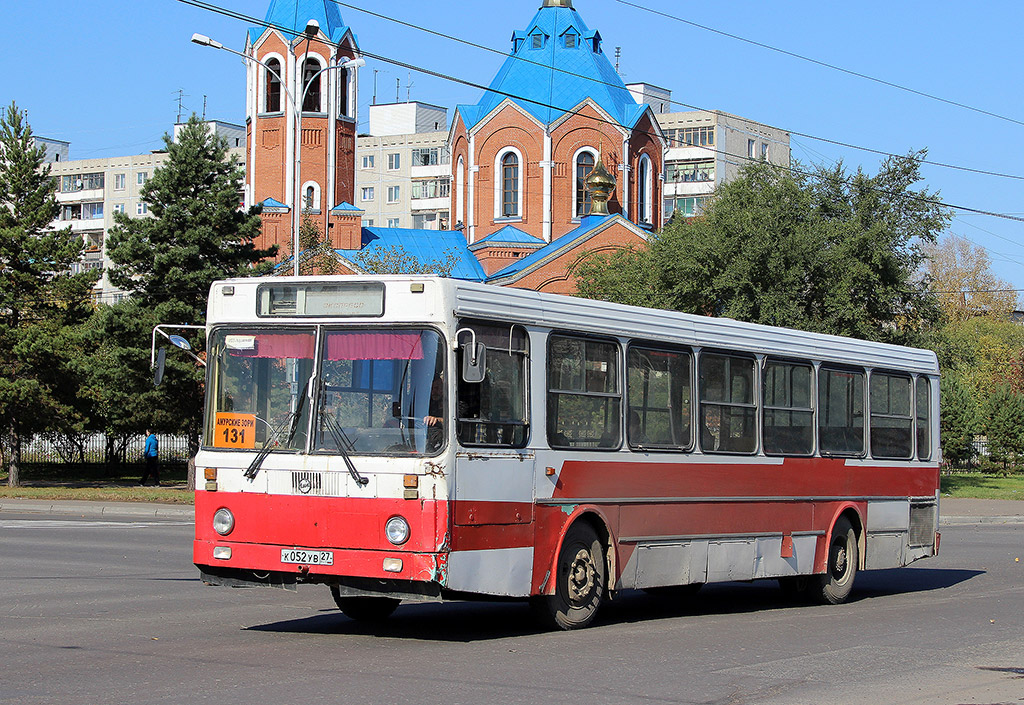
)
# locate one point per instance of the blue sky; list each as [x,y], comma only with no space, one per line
[105,75]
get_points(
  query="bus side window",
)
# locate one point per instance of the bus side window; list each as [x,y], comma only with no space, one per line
[584,402]
[841,411]
[892,416]
[658,385]
[494,412]
[727,405]
[788,422]
[924,410]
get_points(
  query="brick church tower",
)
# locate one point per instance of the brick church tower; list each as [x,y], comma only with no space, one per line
[521,155]
[306,58]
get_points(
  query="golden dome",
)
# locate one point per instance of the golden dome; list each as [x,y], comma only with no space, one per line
[600,184]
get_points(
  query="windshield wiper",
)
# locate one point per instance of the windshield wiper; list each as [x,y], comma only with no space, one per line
[344,444]
[293,426]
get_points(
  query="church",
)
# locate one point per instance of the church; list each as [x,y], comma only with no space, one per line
[555,161]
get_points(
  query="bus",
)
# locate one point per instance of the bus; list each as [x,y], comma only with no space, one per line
[414,438]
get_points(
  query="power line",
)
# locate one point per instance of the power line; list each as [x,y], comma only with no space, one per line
[525,60]
[834,67]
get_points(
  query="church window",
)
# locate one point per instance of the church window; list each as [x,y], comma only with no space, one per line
[273,102]
[584,167]
[510,185]
[311,86]
[537,41]
[570,41]
[644,189]
[343,82]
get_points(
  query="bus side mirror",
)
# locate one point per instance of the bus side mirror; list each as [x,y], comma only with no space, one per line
[161,358]
[474,363]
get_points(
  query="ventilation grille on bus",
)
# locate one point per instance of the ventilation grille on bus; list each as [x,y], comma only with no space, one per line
[922,524]
[318,483]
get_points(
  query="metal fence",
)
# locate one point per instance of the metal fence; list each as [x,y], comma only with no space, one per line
[92,449]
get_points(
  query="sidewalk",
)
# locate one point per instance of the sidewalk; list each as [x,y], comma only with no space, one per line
[951,511]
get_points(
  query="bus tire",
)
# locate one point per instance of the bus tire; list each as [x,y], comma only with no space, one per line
[581,581]
[834,586]
[364,609]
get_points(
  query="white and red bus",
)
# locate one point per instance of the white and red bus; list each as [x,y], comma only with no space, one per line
[410,438]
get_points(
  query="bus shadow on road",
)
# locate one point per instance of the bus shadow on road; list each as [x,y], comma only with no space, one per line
[484,621]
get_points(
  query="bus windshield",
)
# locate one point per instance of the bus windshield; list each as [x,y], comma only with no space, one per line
[382,392]
[377,391]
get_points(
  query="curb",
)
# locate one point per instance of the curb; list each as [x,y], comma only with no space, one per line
[111,509]
[967,521]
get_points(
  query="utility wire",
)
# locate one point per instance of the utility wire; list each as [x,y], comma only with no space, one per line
[430,72]
[525,60]
[827,65]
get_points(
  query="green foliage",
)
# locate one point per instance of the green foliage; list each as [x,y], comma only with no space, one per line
[957,420]
[1004,426]
[396,260]
[197,235]
[40,297]
[832,252]
[316,254]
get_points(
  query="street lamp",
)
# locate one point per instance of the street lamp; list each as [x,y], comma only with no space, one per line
[296,102]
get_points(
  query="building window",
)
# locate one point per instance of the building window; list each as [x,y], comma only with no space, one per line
[692,136]
[367,222]
[394,161]
[751,149]
[584,167]
[311,85]
[645,188]
[141,177]
[510,185]
[435,188]
[570,40]
[119,182]
[460,192]
[764,151]
[368,161]
[430,156]
[81,182]
[141,208]
[537,41]
[273,102]
[92,211]
[394,194]
[687,172]
[394,222]
[343,82]
[687,207]
[367,193]
[119,208]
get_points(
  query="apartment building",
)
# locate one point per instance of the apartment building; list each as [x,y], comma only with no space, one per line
[707,148]
[91,191]
[403,168]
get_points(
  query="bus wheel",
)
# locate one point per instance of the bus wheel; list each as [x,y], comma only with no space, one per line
[835,585]
[580,581]
[364,609]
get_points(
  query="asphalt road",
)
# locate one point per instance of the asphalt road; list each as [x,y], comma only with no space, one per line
[109,610]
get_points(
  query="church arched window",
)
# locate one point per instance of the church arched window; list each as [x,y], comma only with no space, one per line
[510,185]
[311,85]
[273,84]
[645,188]
[585,162]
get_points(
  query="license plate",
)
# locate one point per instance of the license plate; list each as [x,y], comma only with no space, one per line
[303,556]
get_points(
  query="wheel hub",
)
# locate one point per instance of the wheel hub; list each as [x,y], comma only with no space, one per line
[582,577]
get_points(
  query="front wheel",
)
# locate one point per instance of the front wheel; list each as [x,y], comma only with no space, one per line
[364,609]
[581,581]
[835,585]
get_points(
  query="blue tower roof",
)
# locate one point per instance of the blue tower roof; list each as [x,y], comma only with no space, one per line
[558,62]
[295,14]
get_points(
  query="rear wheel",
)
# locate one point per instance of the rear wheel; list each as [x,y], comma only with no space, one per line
[364,609]
[580,581]
[835,585]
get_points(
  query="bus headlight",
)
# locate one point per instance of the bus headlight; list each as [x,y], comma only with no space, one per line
[223,521]
[397,530]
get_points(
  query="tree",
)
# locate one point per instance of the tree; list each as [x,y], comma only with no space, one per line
[197,234]
[828,252]
[957,419]
[1004,426]
[316,256]
[394,259]
[960,275]
[40,297]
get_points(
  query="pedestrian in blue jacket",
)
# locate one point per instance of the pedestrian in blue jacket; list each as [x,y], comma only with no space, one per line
[151,453]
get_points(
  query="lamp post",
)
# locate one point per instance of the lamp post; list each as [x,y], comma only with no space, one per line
[296,101]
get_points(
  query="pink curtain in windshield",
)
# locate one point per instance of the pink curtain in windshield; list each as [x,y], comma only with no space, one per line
[374,346]
[280,346]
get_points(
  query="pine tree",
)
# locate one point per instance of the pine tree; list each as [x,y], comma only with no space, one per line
[197,235]
[1004,426]
[40,298]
